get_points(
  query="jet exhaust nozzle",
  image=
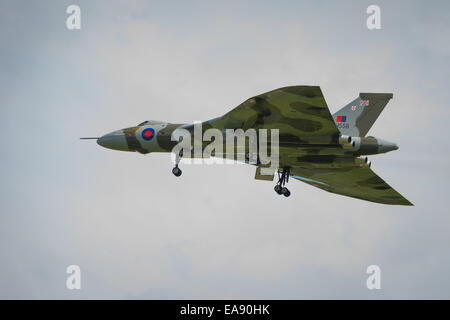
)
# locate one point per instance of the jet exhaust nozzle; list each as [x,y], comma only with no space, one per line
[363,162]
[343,139]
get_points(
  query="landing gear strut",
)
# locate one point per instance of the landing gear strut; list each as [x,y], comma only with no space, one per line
[283,178]
[177,171]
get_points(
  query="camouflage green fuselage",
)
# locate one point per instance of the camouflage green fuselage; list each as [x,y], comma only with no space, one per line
[289,151]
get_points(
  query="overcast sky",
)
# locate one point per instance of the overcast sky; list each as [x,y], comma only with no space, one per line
[135,230]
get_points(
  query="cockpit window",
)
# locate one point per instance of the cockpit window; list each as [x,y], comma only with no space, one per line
[150,122]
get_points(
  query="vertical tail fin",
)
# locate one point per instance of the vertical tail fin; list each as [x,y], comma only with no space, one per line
[357,117]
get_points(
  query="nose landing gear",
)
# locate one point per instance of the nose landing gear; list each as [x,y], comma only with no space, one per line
[177,171]
[283,178]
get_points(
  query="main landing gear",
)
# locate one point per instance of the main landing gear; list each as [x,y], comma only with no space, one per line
[283,178]
[177,171]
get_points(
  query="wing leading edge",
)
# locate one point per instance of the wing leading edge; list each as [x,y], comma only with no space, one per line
[300,113]
[357,182]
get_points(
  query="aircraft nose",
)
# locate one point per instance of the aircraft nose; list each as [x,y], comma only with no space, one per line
[114,140]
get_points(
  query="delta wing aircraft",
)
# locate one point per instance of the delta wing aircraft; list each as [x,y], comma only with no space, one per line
[323,150]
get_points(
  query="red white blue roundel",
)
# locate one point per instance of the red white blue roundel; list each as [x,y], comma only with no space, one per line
[148,134]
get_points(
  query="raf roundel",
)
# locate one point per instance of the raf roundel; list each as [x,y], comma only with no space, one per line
[148,134]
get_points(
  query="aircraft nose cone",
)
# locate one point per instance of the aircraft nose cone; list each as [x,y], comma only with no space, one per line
[114,140]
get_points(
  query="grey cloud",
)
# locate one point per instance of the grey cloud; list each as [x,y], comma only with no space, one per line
[136,231]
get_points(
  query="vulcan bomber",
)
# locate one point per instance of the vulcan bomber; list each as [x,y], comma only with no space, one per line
[326,151]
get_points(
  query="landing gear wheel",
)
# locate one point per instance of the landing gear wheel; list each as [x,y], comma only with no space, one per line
[283,178]
[176,172]
[277,189]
